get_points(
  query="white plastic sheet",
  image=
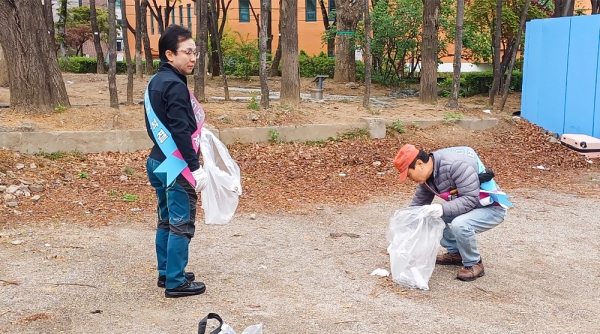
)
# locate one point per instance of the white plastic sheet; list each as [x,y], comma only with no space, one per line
[220,198]
[414,241]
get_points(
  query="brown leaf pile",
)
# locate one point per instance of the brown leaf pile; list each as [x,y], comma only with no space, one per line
[97,189]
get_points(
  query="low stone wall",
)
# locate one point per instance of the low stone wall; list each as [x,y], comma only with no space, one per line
[134,140]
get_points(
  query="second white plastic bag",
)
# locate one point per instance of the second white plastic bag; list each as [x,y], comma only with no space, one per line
[220,198]
[414,241]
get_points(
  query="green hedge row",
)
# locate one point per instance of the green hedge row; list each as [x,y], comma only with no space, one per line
[89,65]
[481,82]
[472,83]
[310,66]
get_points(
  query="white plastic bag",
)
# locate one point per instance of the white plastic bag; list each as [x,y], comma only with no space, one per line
[414,241]
[224,328]
[254,329]
[220,198]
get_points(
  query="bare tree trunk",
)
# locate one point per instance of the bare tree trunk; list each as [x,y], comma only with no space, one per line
[513,54]
[49,22]
[497,63]
[256,17]
[290,76]
[270,29]
[265,8]
[157,12]
[277,58]
[222,8]
[214,40]
[219,52]
[569,8]
[144,28]
[139,69]
[595,6]
[505,58]
[39,88]
[431,12]
[367,97]
[62,21]
[216,32]
[3,70]
[347,15]
[326,25]
[127,53]
[112,55]
[170,7]
[564,8]
[96,33]
[202,46]
[460,15]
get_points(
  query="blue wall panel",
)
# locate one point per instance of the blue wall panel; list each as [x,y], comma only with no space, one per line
[561,75]
[596,119]
[552,87]
[531,76]
[582,71]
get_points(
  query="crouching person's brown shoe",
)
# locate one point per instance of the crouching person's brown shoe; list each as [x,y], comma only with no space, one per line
[471,273]
[449,259]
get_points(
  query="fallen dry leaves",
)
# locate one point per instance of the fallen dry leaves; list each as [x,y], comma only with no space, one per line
[98,189]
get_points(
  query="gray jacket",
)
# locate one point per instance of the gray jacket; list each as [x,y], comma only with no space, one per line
[451,170]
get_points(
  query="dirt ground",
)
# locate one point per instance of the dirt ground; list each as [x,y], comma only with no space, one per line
[88,94]
[309,230]
[295,274]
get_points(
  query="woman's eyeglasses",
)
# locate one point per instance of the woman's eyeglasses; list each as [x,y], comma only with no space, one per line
[190,53]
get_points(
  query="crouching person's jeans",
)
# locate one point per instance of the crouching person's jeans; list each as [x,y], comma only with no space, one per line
[176,211]
[459,234]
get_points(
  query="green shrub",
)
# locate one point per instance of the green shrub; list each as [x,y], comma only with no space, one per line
[89,65]
[311,66]
[481,82]
[321,64]
[78,65]
[242,58]
[446,87]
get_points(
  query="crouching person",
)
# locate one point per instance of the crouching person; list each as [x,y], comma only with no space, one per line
[473,201]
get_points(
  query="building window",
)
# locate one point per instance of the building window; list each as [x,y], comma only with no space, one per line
[331,12]
[151,24]
[173,16]
[311,10]
[244,10]
[189,16]
[181,16]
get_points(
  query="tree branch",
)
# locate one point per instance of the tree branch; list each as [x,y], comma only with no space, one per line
[255,16]
[224,19]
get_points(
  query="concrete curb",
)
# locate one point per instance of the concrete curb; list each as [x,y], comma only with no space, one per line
[134,140]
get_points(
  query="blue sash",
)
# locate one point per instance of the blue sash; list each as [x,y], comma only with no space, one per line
[174,164]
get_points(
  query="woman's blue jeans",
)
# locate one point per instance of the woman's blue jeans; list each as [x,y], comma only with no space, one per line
[176,211]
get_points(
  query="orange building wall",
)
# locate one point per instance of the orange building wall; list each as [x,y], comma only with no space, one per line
[309,33]
[309,38]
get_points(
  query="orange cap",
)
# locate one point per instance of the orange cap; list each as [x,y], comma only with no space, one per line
[404,158]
